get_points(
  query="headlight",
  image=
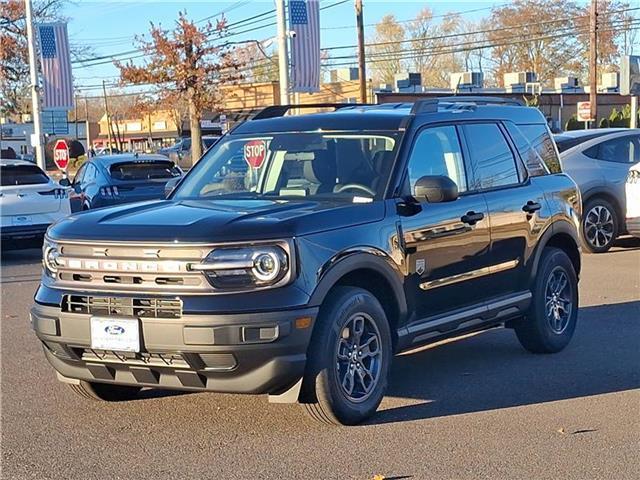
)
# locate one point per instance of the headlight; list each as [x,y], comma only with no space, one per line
[234,268]
[50,254]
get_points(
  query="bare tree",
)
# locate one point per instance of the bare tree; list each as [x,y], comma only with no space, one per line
[190,63]
[385,49]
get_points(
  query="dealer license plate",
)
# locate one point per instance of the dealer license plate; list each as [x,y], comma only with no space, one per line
[119,334]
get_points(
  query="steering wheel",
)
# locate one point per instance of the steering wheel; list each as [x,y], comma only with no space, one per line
[356,186]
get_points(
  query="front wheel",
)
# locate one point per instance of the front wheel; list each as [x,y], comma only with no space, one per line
[349,358]
[549,325]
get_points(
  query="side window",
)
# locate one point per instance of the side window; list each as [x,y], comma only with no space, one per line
[79,174]
[437,151]
[619,150]
[541,141]
[493,162]
[532,160]
[90,174]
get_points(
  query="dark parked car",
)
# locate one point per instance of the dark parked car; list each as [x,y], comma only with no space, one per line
[115,179]
[180,153]
[345,237]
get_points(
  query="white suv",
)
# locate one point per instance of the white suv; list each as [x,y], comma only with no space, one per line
[632,188]
[30,201]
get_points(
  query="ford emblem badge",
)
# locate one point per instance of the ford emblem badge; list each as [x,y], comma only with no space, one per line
[114,329]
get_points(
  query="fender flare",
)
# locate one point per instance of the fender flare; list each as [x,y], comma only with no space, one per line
[602,191]
[357,259]
[557,227]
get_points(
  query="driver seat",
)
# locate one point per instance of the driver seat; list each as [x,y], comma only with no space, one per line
[321,171]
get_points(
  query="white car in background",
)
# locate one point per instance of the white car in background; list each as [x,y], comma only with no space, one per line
[599,166]
[30,201]
[632,188]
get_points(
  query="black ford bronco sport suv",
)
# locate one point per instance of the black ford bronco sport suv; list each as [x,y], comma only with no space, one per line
[303,251]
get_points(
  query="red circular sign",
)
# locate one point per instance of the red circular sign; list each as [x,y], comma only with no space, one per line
[61,154]
[255,152]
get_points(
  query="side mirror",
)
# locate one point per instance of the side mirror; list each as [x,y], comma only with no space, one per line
[436,189]
[64,182]
[170,186]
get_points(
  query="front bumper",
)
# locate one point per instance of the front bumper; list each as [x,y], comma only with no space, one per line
[26,232]
[257,353]
[633,226]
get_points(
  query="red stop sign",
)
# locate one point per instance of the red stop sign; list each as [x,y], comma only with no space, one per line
[254,152]
[61,154]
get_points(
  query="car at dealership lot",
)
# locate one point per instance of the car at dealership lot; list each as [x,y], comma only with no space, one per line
[180,153]
[600,166]
[30,201]
[124,178]
[571,138]
[347,237]
[632,190]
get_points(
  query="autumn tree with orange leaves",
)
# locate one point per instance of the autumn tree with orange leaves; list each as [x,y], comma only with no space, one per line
[190,64]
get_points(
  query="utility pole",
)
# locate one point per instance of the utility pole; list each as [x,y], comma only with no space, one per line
[283,53]
[87,134]
[75,113]
[35,100]
[593,61]
[362,77]
[106,111]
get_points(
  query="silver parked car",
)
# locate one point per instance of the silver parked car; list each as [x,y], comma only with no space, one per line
[599,161]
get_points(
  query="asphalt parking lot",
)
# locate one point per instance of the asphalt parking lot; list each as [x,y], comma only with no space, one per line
[477,408]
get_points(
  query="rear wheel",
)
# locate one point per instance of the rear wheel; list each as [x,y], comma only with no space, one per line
[552,318]
[599,226]
[104,391]
[349,358]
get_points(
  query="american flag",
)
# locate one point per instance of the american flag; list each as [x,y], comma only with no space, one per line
[56,65]
[304,20]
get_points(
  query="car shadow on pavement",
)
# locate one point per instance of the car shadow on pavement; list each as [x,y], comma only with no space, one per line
[626,244]
[491,371]
[29,256]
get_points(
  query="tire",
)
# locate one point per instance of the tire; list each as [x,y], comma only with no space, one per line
[331,371]
[104,392]
[600,226]
[549,325]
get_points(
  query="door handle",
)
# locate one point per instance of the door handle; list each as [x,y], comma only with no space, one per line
[471,218]
[531,207]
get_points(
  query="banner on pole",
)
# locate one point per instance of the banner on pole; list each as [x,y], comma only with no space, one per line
[304,21]
[55,59]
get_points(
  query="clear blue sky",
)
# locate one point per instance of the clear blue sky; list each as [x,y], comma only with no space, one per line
[110,26]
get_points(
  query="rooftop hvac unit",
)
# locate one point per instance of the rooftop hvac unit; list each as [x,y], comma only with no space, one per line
[343,74]
[519,78]
[466,79]
[563,83]
[407,79]
[610,80]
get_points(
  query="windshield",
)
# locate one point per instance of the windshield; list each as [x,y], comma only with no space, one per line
[22,175]
[349,166]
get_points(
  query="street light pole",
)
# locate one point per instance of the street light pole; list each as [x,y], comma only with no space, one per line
[361,59]
[35,100]
[283,53]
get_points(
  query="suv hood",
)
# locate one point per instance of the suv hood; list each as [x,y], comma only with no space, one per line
[210,221]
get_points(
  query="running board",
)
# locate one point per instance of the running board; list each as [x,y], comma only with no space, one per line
[475,317]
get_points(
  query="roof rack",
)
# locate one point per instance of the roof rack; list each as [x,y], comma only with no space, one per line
[280,110]
[431,104]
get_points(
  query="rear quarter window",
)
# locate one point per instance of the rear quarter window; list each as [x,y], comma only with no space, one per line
[22,175]
[540,139]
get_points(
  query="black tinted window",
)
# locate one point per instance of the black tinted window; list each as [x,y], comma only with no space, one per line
[532,159]
[22,175]
[493,162]
[539,138]
[619,150]
[144,170]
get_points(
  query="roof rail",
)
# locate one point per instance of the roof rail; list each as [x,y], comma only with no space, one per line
[431,104]
[280,110]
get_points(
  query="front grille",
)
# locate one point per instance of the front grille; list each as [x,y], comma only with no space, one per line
[131,268]
[123,306]
[173,360]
